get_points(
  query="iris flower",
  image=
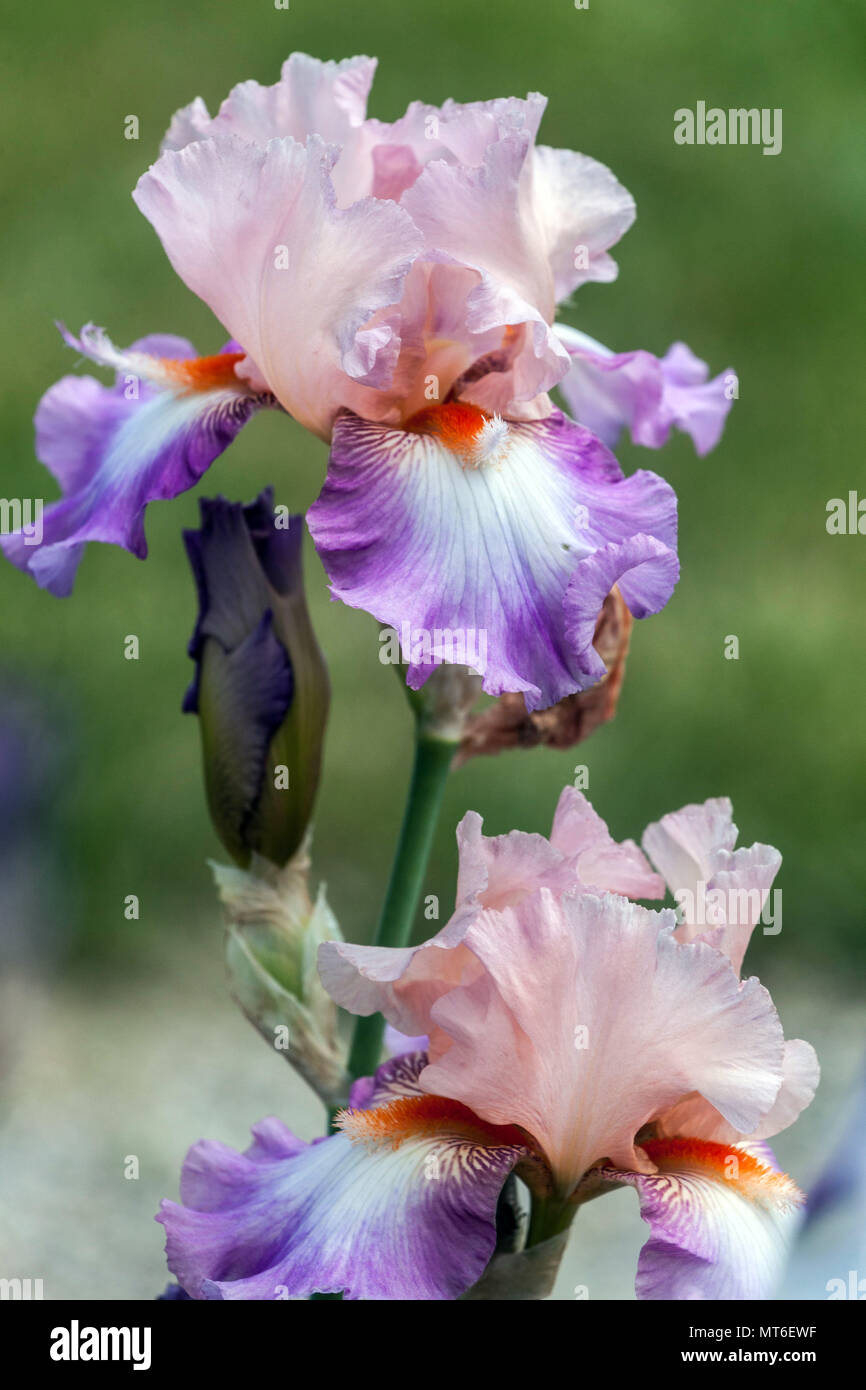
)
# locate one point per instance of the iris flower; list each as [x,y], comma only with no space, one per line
[393,287]
[575,1037]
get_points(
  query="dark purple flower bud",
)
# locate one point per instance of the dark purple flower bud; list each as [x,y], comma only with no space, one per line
[173,1293]
[261,686]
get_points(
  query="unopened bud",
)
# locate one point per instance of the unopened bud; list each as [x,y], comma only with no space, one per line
[261,686]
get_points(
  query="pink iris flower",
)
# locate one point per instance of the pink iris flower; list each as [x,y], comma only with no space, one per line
[394,287]
[581,1039]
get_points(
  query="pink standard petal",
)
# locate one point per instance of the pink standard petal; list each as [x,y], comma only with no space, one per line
[722,891]
[458,133]
[403,984]
[684,844]
[494,872]
[600,862]
[328,99]
[590,1018]
[694,1116]
[456,208]
[741,885]
[244,226]
[581,210]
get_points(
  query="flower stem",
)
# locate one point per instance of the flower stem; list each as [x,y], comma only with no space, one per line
[433,757]
[548,1217]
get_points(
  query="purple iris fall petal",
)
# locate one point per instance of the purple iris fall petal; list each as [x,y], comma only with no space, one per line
[646,571]
[398,1043]
[413,1217]
[611,391]
[691,401]
[114,449]
[721,1219]
[474,529]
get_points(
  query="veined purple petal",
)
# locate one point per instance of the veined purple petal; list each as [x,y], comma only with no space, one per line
[113,449]
[611,391]
[467,534]
[645,569]
[721,1219]
[467,538]
[380,1212]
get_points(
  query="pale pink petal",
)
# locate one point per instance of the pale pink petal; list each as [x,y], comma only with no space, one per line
[403,984]
[581,852]
[590,1019]
[600,863]
[474,214]
[256,233]
[192,122]
[311,98]
[741,886]
[683,845]
[800,1076]
[395,169]
[520,389]
[581,210]
[721,891]
[696,1117]
[496,870]
[535,223]
[437,346]
[456,132]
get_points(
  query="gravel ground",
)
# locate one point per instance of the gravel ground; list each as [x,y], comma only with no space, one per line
[96,1075]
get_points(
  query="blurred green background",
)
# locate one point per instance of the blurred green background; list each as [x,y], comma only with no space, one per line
[754,261]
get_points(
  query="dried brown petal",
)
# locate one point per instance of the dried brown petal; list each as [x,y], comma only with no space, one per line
[508,724]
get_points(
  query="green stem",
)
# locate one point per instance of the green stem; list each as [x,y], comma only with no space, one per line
[433,757]
[548,1217]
